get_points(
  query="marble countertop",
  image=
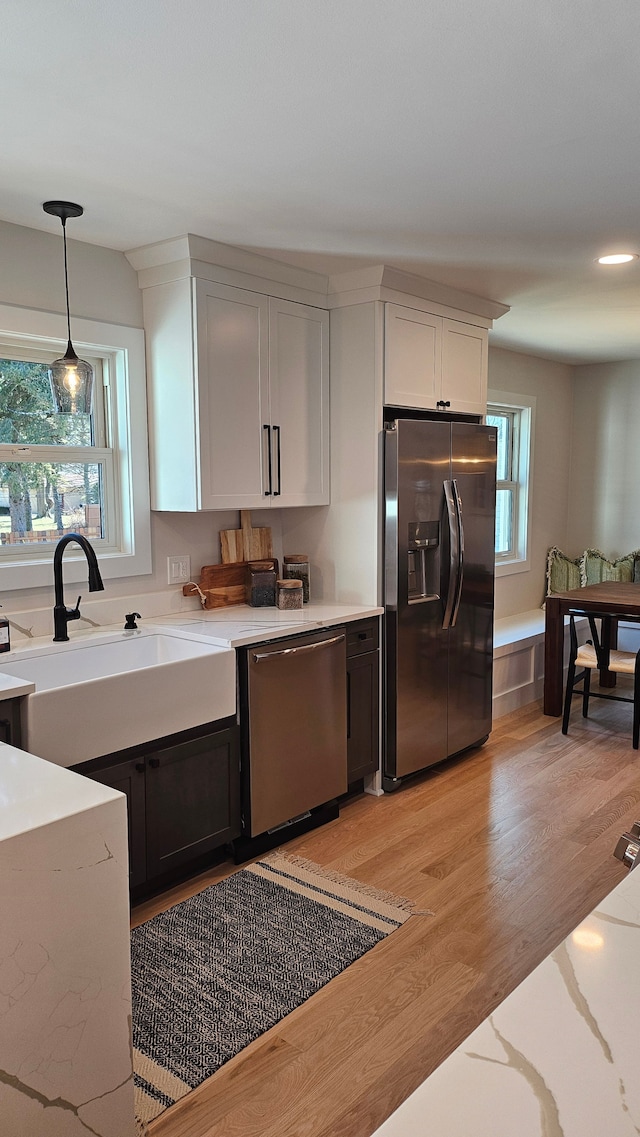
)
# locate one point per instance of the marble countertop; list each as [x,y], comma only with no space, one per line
[35,793]
[11,687]
[240,624]
[559,1057]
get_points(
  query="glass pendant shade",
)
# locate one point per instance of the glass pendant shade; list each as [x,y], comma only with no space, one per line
[71,378]
[71,383]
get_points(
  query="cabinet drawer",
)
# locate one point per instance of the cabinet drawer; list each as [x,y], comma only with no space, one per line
[362,636]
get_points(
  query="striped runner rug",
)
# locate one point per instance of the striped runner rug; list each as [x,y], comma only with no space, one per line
[216,971]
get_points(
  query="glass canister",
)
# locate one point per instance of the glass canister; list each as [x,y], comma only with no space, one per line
[289,594]
[260,588]
[295,566]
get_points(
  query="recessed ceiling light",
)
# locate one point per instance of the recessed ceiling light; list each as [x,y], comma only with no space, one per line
[617,258]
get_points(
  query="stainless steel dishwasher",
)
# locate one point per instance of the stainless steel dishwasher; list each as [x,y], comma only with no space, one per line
[293,699]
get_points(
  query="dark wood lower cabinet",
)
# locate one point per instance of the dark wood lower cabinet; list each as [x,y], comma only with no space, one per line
[128,776]
[10,731]
[363,678]
[192,800]
[183,798]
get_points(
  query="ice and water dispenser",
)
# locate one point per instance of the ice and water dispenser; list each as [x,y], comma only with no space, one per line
[423,561]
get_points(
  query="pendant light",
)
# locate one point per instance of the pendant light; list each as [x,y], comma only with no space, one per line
[71,378]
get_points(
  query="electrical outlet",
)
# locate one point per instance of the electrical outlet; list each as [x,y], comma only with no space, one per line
[179,570]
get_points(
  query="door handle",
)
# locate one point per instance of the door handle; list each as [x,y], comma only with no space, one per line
[154,763]
[259,656]
[276,493]
[268,430]
[460,569]
[454,553]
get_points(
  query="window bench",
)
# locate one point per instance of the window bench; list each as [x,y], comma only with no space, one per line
[518,659]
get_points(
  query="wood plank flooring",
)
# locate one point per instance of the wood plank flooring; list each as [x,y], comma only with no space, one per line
[509,847]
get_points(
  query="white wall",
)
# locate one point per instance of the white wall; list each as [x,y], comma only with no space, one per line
[104,286]
[551,384]
[102,283]
[604,510]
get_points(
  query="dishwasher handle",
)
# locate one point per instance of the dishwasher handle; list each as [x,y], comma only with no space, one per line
[259,656]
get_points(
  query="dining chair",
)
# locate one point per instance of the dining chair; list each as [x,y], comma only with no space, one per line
[590,656]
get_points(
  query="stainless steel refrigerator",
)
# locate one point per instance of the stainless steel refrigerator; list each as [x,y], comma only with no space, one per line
[440,479]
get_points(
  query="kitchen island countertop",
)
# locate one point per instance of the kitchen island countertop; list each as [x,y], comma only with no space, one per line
[557,1058]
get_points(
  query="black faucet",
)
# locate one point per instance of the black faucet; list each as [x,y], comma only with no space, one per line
[62,614]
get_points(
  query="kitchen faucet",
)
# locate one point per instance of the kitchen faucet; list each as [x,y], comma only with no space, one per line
[62,614]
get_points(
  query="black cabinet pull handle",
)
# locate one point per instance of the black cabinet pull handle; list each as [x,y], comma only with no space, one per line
[154,763]
[268,430]
[6,725]
[140,767]
[276,493]
[362,635]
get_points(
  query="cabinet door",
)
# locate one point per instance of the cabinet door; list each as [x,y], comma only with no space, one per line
[232,353]
[192,799]
[362,715]
[299,401]
[413,351]
[128,777]
[464,366]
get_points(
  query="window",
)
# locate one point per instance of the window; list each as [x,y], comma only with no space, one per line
[512,416]
[65,473]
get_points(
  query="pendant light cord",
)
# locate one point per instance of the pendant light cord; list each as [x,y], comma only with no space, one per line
[66,275]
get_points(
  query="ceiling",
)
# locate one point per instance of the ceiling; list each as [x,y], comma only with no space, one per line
[491,146]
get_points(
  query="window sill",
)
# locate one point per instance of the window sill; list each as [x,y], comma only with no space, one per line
[510,568]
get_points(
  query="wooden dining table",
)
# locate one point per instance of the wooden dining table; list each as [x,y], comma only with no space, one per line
[613,600]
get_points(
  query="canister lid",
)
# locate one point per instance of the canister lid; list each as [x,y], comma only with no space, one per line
[296,559]
[289,583]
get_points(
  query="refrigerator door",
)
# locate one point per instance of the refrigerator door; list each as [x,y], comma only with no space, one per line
[473,475]
[417,461]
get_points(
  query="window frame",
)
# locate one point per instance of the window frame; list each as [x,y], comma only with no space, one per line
[126,549]
[522,408]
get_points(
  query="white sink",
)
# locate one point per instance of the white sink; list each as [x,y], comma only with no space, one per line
[97,697]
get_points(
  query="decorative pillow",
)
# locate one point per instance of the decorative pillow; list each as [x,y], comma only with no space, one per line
[594,567]
[562,572]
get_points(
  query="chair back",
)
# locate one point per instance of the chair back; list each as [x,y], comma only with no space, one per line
[602,655]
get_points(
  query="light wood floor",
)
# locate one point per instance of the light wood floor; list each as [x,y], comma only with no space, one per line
[510,847]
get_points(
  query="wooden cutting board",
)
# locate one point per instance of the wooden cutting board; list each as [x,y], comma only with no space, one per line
[221,585]
[247,543]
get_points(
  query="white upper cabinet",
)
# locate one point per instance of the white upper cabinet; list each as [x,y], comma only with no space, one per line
[465,350]
[433,362]
[232,383]
[299,403]
[239,398]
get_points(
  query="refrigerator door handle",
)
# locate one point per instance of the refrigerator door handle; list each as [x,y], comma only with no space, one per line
[454,553]
[460,568]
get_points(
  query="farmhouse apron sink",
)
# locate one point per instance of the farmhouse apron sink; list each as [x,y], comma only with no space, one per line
[99,695]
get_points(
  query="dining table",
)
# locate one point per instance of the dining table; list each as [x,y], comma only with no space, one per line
[612,600]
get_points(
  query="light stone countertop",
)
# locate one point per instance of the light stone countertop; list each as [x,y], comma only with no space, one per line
[559,1057]
[35,793]
[241,624]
